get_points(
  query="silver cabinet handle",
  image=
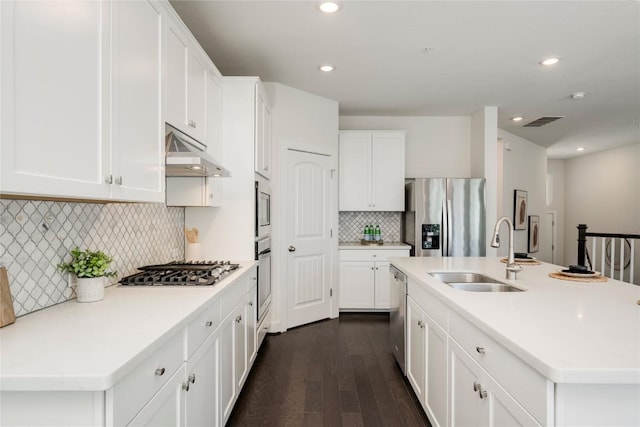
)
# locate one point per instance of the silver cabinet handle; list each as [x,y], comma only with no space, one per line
[192,378]
[193,124]
[250,304]
[372,268]
[119,180]
[238,319]
[478,387]
[482,393]
[208,323]
[108,179]
[480,350]
[159,372]
[185,386]
[292,248]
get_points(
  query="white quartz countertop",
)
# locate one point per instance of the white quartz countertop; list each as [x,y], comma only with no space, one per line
[385,245]
[90,346]
[570,332]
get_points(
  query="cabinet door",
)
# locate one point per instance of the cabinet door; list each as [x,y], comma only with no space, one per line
[467,407]
[416,340]
[382,299]
[240,355]
[54,126]
[167,407]
[357,281]
[176,77]
[196,96]
[354,178]
[213,191]
[387,171]
[227,366]
[503,410]
[251,316]
[137,149]
[435,392]
[263,134]
[202,401]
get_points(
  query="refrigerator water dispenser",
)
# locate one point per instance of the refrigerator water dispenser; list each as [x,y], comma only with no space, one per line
[430,236]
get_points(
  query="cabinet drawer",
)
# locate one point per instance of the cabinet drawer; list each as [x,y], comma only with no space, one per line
[199,328]
[371,254]
[431,305]
[533,391]
[232,295]
[133,391]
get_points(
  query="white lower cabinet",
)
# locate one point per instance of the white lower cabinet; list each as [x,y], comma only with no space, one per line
[427,362]
[201,386]
[462,377]
[477,399]
[364,278]
[167,407]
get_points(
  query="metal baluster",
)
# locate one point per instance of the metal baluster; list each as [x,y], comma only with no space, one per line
[613,258]
[622,260]
[633,243]
[603,247]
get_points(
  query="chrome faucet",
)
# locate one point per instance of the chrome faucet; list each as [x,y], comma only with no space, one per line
[512,267]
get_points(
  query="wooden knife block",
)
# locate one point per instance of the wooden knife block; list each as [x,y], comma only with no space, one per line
[7,314]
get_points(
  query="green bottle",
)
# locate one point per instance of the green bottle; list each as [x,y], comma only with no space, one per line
[376,233]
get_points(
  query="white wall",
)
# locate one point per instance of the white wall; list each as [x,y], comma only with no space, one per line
[483,150]
[602,190]
[436,147]
[305,122]
[524,167]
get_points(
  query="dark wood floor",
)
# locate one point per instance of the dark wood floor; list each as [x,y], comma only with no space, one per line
[331,373]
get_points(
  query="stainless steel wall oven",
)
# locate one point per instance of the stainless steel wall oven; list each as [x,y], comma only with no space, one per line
[263,256]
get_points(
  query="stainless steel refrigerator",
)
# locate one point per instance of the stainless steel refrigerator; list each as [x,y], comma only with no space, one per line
[445,216]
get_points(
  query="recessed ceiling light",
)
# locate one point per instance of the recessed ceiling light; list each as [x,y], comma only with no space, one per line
[195,168]
[329,6]
[326,68]
[550,61]
[580,149]
[578,95]
[517,119]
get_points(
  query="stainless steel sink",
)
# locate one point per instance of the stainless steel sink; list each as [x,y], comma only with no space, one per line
[474,282]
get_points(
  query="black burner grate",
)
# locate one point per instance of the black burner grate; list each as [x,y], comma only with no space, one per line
[198,273]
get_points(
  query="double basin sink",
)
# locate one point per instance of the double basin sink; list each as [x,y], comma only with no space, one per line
[474,282]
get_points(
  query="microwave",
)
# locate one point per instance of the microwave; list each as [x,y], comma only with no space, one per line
[263,209]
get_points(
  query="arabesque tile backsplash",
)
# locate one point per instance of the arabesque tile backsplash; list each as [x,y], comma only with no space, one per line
[35,236]
[351,225]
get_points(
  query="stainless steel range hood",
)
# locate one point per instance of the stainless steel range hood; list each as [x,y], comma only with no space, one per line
[188,157]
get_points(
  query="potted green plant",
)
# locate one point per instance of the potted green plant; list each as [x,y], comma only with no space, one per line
[90,268]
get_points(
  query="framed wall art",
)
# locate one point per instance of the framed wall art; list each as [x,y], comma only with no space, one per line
[534,234]
[519,209]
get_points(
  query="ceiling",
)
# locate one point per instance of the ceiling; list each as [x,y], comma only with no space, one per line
[479,53]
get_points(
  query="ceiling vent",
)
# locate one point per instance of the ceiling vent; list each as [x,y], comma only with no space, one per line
[542,121]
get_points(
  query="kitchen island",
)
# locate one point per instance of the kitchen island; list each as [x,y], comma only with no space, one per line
[132,358]
[557,353]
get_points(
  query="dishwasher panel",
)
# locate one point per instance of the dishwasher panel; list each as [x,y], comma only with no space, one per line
[398,315]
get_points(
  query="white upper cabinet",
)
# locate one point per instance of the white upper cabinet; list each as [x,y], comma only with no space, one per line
[137,150]
[263,134]
[81,100]
[186,77]
[371,175]
[55,133]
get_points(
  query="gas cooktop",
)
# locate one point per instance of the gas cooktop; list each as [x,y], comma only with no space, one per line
[181,273]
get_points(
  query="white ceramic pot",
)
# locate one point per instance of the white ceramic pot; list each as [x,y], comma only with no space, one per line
[90,289]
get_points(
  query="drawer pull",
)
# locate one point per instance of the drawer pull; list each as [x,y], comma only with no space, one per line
[208,323]
[192,378]
[480,350]
[159,372]
[238,319]
[185,386]
[476,386]
[250,304]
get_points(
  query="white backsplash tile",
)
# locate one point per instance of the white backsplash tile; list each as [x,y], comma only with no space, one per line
[351,225]
[35,236]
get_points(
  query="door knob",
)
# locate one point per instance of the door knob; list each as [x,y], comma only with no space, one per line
[292,248]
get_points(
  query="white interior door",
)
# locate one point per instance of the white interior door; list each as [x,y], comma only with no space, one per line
[547,238]
[308,237]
